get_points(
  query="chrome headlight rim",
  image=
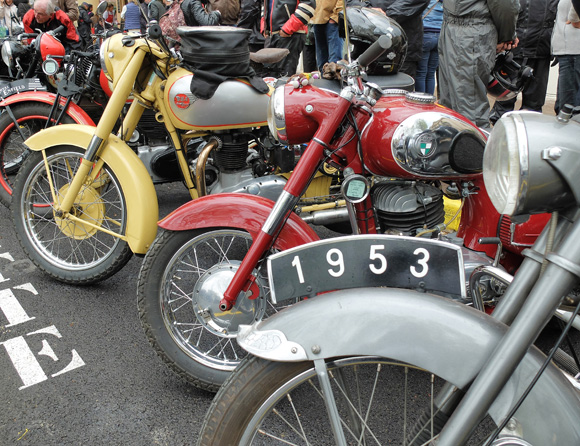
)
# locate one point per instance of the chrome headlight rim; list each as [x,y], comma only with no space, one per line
[103,59]
[277,115]
[506,168]
[6,53]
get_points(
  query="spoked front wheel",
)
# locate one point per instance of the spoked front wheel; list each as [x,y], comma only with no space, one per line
[379,402]
[82,246]
[180,286]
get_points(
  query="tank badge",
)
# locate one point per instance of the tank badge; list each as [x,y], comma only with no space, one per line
[425,145]
[182,100]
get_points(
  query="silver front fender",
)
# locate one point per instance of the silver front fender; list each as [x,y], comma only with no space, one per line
[447,338]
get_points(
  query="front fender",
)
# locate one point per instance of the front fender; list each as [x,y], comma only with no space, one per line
[136,183]
[447,338]
[74,111]
[243,211]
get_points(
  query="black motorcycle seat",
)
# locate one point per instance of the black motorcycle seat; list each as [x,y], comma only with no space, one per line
[399,81]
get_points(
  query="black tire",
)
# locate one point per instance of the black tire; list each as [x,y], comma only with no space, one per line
[31,117]
[179,288]
[70,252]
[283,400]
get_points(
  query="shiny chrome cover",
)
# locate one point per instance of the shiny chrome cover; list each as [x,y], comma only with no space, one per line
[423,143]
[235,104]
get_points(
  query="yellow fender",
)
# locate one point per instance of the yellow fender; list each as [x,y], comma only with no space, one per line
[140,194]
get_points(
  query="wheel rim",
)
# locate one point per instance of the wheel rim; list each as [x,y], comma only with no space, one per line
[194,281]
[62,242]
[368,391]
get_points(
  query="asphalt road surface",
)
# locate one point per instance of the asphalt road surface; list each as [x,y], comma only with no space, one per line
[75,366]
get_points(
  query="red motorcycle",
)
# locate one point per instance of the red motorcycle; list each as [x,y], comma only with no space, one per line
[55,89]
[399,155]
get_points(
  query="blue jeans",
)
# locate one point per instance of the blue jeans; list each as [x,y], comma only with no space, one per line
[425,77]
[568,81]
[328,43]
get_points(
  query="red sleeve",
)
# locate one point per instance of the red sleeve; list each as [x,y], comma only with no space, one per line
[71,31]
[292,25]
[27,20]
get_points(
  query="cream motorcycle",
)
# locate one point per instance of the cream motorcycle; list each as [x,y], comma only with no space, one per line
[84,201]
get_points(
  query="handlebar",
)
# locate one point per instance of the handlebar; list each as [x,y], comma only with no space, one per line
[56,31]
[375,51]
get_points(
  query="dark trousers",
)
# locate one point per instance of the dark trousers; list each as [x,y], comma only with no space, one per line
[533,94]
[288,65]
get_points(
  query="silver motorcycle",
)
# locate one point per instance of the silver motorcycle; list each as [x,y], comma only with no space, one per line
[383,353]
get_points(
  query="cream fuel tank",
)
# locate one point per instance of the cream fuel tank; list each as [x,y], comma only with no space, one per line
[235,104]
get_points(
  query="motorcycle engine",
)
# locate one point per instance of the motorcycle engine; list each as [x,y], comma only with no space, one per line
[407,207]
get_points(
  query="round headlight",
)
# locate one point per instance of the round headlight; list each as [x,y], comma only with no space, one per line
[503,165]
[276,115]
[529,163]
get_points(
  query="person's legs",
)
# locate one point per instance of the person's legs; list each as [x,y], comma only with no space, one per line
[568,81]
[335,42]
[321,44]
[534,93]
[432,63]
[421,75]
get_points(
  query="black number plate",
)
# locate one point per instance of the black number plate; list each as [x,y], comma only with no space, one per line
[367,261]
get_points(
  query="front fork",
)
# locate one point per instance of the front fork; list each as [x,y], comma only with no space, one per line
[298,182]
[103,130]
[527,305]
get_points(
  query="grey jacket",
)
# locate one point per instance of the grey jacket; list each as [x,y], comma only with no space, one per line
[503,14]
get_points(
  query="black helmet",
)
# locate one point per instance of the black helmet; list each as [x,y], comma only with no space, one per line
[365,26]
[508,77]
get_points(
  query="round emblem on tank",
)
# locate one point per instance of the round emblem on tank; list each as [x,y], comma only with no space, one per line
[425,144]
[181,100]
[418,97]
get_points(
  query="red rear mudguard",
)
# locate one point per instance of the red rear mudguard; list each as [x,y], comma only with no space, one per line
[73,110]
[242,211]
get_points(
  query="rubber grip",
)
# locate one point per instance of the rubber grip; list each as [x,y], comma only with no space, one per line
[375,51]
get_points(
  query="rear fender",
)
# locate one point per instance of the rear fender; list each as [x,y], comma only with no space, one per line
[140,194]
[74,111]
[243,211]
[445,337]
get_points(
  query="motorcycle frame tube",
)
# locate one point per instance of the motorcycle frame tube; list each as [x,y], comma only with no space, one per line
[455,342]
[175,137]
[558,279]
[136,183]
[215,211]
[73,110]
[298,182]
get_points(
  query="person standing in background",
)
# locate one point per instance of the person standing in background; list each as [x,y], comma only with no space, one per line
[155,9]
[70,8]
[8,15]
[285,25]
[131,14]
[534,31]
[566,48]
[249,18]
[472,33]
[109,16]
[328,44]
[229,10]
[427,67]
[84,26]
[408,14]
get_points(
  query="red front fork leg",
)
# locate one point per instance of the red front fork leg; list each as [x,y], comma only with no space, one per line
[295,187]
